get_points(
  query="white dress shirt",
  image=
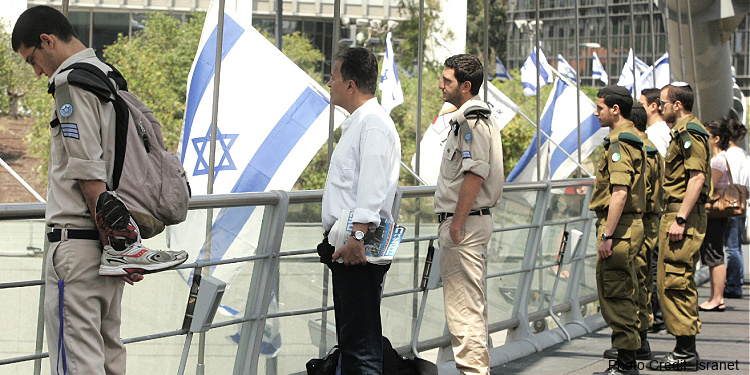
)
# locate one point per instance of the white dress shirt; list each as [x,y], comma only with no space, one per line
[660,135]
[364,169]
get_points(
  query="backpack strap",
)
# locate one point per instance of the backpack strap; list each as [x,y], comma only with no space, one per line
[91,78]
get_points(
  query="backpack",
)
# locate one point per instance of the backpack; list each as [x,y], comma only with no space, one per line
[151,181]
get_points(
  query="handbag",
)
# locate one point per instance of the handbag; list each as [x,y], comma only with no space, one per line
[729,201]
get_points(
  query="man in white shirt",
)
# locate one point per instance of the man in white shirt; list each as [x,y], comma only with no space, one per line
[658,130]
[363,176]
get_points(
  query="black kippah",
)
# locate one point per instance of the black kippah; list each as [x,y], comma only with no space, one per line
[619,90]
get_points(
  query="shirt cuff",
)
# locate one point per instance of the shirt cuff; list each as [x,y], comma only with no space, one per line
[363,215]
[478,167]
[89,170]
[620,178]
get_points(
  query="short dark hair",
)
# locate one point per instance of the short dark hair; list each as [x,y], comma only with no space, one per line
[360,65]
[39,20]
[681,92]
[639,117]
[652,95]
[467,68]
[617,95]
[719,128]
[736,129]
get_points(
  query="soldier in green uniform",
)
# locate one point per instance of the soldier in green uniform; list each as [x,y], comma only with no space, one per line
[687,176]
[619,200]
[654,207]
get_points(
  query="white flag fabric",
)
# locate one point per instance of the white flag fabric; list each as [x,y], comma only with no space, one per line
[528,73]
[597,70]
[660,69]
[433,141]
[628,76]
[272,119]
[501,71]
[559,121]
[390,85]
[564,68]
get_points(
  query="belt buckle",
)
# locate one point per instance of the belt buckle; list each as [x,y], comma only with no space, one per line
[63,234]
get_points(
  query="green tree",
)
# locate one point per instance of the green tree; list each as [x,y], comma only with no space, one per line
[408,31]
[475,29]
[15,75]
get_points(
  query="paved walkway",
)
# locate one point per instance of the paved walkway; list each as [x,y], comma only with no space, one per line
[724,338]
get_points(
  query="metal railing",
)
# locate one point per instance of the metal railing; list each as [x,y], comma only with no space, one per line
[284,286]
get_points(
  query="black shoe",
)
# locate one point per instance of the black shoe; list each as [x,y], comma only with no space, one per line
[675,362]
[732,295]
[614,370]
[642,353]
[658,327]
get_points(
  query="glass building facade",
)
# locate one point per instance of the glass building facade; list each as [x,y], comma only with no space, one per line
[608,27]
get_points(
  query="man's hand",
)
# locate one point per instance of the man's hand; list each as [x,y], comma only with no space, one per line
[455,231]
[676,231]
[353,253]
[605,249]
[132,278]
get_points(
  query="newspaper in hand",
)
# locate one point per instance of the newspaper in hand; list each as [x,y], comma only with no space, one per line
[380,244]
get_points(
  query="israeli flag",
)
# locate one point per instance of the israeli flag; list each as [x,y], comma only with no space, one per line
[272,119]
[660,69]
[389,85]
[564,68]
[559,121]
[628,76]
[597,70]
[433,142]
[501,71]
[528,72]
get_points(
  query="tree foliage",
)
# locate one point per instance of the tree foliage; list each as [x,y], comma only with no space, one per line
[475,29]
[408,30]
[16,76]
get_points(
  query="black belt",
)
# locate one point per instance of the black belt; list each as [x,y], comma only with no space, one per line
[76,234]
[445,215]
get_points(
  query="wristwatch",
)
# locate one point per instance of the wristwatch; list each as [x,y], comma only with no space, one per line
[680,220]
[358,235]
[606,237]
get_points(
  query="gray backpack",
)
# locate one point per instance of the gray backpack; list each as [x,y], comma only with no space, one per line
[150,180]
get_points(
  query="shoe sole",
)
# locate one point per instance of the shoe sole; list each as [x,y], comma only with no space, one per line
[124,270]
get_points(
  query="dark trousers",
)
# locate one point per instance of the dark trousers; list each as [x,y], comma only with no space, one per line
[356,302]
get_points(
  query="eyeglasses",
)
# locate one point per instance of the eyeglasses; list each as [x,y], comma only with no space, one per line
[30,58]
[663,103]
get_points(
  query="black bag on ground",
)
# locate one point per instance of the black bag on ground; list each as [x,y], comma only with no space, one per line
[326,365]
[393,363]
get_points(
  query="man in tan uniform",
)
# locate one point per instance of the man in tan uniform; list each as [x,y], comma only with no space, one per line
[470,183]
[643,266]
[619,200]
[687,176]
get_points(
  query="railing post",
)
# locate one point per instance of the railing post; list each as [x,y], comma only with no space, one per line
[261,285]
[577,267]
[520,302]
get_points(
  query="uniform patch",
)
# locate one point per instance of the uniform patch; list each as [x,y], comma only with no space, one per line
[467,137]
[70,130]
[66,110]
[616,157]
[466,154]
[687,144]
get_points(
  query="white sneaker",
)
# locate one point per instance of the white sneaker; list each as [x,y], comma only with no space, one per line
[137,258]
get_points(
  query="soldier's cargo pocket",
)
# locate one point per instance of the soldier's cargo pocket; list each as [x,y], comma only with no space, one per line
[617,284]
[674,277]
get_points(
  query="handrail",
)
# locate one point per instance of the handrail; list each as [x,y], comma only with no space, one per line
[269,254]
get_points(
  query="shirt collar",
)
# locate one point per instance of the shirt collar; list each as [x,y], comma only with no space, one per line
[84,54]
[367,107]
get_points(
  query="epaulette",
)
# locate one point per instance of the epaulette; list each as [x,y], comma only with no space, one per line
[630,138]
[473,112]
[696,129]
[650,151]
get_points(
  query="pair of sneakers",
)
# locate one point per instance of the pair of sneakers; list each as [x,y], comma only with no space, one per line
[124,253]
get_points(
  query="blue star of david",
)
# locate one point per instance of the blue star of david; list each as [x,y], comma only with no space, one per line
[225,163]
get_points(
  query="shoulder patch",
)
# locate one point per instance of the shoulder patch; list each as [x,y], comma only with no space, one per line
[696,129]
[630,138]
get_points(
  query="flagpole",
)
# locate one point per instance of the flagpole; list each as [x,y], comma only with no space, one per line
[609,40]
[679,37]
[578,87]
[200,367]
[653,39]
[632,45]
[486,47]
[692,53]
[538,93]
[666,36]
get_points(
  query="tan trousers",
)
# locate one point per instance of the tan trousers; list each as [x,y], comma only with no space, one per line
[462,268]
[616,281]
[675,282]
[644,270]
[91,311]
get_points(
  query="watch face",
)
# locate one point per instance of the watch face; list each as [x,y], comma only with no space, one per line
[359,235]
